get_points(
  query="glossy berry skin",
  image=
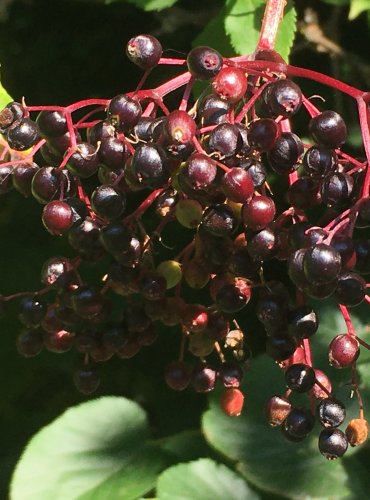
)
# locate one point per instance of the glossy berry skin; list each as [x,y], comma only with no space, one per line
[322,263]
[343,351]
[112,153]
[351,289]
[52,123]
[57,271]
[263,134]
[319,161]
[57,217]
[285,153]
[177,375]
[230,374]
[284,98]
[232,402]
[304,193]
[179,127]
[203,378]
[264,245]
[230,299]
[332,443]
[276,410]
[300,377]
[84,161]
[149,166]
[23,135]
[108,202]
[204,62]
[144,50]
[336,188]
[31,311]
[47,184]
[213,110]
[219,220]
[230,84]
[199,172]
[22,177]
[237,185]
[280,346]
[124,112]
[87,302]
[298,424]
[303,322]
[225,139]
[6,178]
[258,212]
[328,129]
[331,412]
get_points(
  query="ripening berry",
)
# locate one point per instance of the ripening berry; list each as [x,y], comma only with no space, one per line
[357,431]
[144,50]
[230,84]
[171,271]
[277,409]
[232,401]
[343,351]
[57,217]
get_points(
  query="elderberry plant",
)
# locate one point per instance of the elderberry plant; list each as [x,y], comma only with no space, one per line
[103,169]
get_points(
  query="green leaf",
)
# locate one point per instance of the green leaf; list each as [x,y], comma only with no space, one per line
[4,97]
[186,445]
[357,7]
[337,2]
[214,35]
[96,450]
[243,22]
[265,458]
[202,479]
[148,5]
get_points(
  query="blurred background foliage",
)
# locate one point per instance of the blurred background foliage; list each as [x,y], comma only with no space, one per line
[60,51]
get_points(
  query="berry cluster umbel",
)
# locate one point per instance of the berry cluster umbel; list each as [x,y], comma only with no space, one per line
[204,167]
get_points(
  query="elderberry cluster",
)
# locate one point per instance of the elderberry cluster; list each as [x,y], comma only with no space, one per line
[106,176]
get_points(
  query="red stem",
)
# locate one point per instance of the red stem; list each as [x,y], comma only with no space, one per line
[272,17]
[347,319]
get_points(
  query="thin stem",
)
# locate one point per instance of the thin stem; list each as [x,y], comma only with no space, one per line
[364,124]
[347,319]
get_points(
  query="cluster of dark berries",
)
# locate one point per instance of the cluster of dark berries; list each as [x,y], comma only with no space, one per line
[113,174]
[297,422]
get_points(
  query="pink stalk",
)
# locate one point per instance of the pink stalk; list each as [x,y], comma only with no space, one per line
[347,319]
[272,17]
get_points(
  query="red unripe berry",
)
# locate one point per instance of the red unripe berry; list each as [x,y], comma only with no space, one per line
[195,318]
[57,217]
[59,341]
[343,351]
[232,401]
[230,84]
[180,127]
[238,185]
[258,212]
